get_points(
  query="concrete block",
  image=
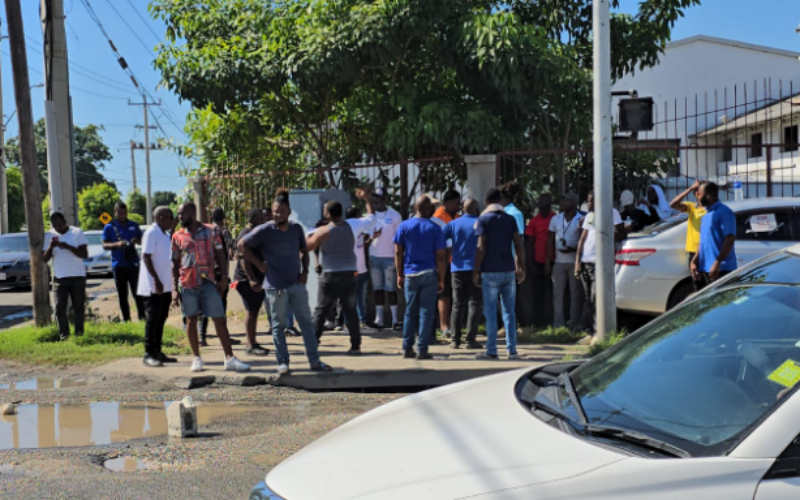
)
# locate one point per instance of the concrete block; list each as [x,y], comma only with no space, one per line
[194,382]
[182,418]
[8,409]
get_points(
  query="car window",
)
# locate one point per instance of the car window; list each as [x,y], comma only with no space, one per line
[769,225]
[13,244]
[663,225]
[94,239]
[702,376]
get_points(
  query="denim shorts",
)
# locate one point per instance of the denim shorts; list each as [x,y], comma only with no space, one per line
[204,300]
[383,273]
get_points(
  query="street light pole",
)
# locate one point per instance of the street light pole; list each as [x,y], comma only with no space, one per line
[603,171]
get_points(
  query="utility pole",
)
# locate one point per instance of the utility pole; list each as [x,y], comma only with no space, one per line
[144,104]
[133,163]
[4,229]
[58,112]
[30,170]
[603,171]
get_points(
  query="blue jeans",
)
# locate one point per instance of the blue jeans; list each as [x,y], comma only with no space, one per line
[420,310]
[383,273]
[279,303]
[204,300]
[502,286]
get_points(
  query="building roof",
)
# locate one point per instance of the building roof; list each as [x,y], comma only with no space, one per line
[785,110]
[735,44]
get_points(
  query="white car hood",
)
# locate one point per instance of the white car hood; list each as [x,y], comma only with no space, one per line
[94,251]
[461,440]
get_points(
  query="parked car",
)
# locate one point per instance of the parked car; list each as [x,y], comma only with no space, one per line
[652,275]
[99,260]
[700,403]
[15,260]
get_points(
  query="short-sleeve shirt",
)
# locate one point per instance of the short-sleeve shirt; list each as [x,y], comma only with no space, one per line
[718,223]
[420,239]
[514,212]
[196,255]
[281,250]
[239,273]
[696,214]
[129,231]
[499,229]
[590,245]
[361,227]
[539,229]
[388,222]
[569,232]
[155,243]
[461,232]
[65,263]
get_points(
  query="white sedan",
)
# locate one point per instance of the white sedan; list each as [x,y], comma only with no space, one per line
[99,259]
[652,273]
[700,404]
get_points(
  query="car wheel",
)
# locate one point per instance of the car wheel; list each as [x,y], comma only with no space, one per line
[679,294]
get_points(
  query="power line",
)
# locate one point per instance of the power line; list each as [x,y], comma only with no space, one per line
[73,63]
[148,49]
[144,21]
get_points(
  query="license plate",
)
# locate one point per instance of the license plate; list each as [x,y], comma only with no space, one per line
[3,276]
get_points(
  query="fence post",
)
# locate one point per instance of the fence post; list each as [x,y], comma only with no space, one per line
[404,202]
[200,198]
[482,174]
[769,172]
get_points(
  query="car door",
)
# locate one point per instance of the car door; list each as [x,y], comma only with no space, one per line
[763,231]
[782,481]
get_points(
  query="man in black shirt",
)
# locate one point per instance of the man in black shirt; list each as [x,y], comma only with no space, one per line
[252,293]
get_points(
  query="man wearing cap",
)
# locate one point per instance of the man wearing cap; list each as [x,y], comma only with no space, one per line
[381,258]
[564,235]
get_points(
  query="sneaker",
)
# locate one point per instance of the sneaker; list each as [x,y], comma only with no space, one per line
[164,358]
[424,356]
[63,338]
[410,354]
[365,328]
[354,352]
[329,325]
[283,369]
[197,365]
[234,365]
[374,327]
[292,332]
[447,335]
[152,361]
[256,350]
[398,327]
[513,357]
[474,345]
[587,340]
[339,328]
[485,356]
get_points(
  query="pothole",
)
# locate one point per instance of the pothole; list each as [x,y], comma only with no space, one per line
[43,384]
[126,464]
[51,426]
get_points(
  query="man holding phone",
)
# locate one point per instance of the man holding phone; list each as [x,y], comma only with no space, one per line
[121,236]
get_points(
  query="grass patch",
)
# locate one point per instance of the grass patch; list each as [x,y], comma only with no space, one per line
[549,335]
[612,339]
[102,342]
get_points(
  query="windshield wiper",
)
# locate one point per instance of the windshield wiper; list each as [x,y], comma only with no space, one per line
[550,408]
[636,438]
[566,381]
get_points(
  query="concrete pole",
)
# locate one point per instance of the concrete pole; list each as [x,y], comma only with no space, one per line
[133,163]
[603,171]
[4,229]
[29,163]
[147,160]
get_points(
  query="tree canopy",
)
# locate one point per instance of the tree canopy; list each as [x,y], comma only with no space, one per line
[93,201]
[16,203]
[91,154]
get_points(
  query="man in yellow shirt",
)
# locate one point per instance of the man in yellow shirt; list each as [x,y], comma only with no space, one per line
[696,213]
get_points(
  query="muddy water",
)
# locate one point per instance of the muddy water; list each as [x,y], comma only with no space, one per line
[50,426]
[125,464]
[42,384]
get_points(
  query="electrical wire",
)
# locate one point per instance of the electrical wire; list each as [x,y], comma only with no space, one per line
[158,38]
[72,63]
[148,49]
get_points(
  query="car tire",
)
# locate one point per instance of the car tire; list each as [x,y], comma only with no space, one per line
[679,294]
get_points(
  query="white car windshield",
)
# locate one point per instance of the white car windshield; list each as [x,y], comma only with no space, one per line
[94,239]
[702,376]
[13,244]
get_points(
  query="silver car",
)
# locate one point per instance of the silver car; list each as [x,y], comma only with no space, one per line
[652,274]
[99,259]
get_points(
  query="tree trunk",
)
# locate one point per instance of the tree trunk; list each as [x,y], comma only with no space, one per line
[29,164]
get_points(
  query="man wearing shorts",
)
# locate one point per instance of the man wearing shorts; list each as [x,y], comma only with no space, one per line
[381,258]
[252,293]
[196,250]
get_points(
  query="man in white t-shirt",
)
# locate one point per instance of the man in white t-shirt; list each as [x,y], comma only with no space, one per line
[362,228]
[68,247]
[381,258]
[155,284]
[586,258]
[564,235]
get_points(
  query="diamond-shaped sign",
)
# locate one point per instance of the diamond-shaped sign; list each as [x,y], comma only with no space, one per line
[105,218]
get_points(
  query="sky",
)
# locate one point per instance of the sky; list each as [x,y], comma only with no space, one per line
[100,89]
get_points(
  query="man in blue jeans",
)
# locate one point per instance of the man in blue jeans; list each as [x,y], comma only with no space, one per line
[496,272]
[281,242]
[420,258]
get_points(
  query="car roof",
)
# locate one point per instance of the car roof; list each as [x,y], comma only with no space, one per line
[758,203]
[96,231]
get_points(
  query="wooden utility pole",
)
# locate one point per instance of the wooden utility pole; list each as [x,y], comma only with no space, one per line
[30,171]
[144,104]
[133,163]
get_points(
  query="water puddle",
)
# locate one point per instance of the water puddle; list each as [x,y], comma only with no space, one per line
[43,383]
[126,464]
[52,426]
[17,316]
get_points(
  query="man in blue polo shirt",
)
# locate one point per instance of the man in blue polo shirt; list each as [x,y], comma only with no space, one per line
[121,236]
[420,259]
[716,255]
[461,232]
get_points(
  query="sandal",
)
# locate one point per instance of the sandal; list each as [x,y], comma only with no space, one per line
[321,367]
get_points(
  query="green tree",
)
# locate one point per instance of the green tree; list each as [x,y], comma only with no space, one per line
[91,155]
[164,198]
[137,202]
[93,201]
[16,203]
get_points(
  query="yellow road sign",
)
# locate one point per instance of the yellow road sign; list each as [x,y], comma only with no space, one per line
[105,218]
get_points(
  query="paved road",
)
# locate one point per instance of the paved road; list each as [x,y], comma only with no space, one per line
[16,305]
